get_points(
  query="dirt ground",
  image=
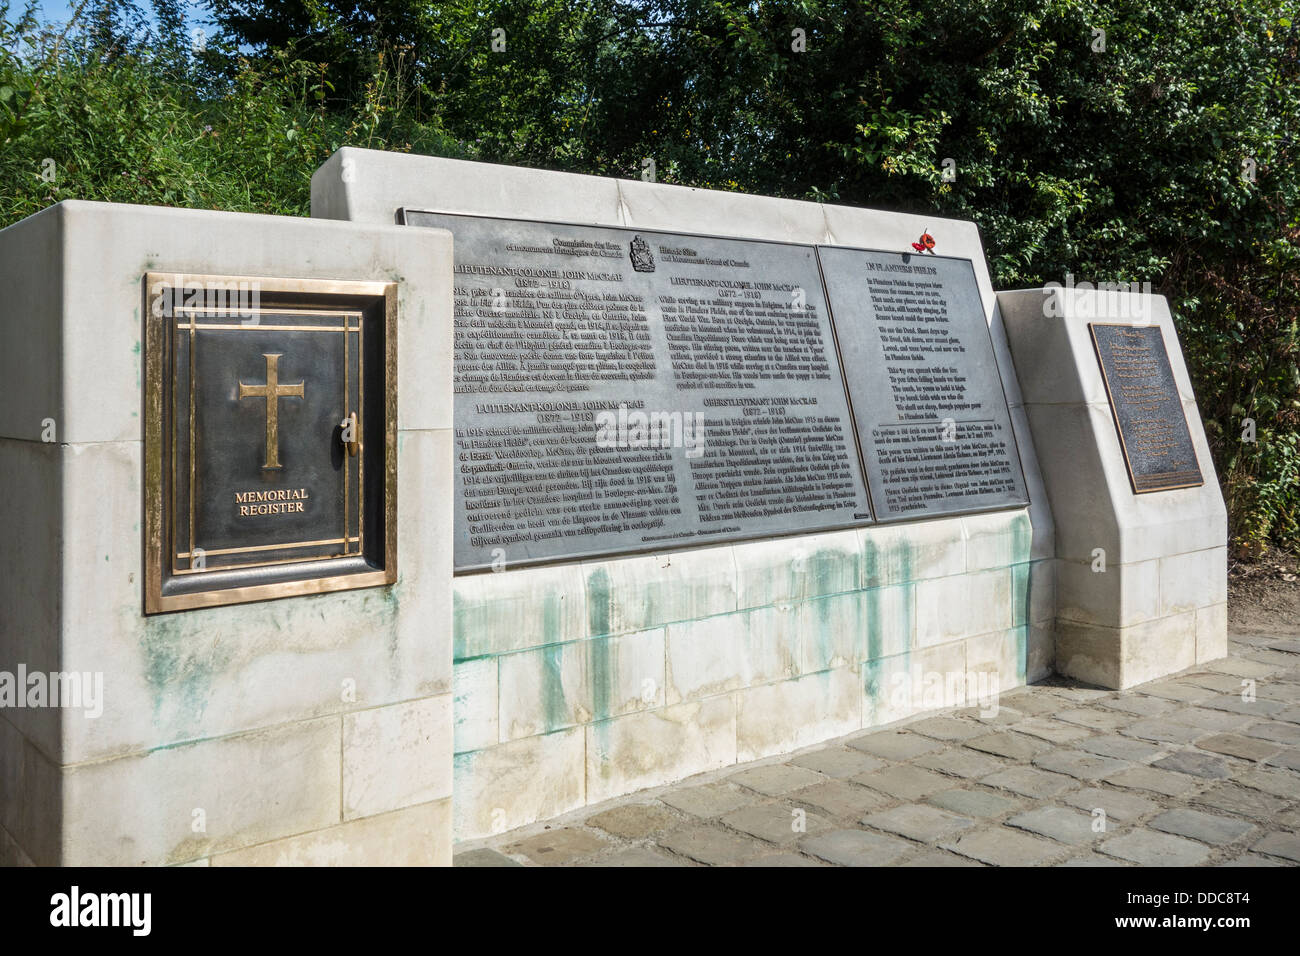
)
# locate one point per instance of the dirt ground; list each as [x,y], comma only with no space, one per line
[1264,596]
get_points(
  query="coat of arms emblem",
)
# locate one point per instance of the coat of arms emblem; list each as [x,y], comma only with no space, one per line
[642,259]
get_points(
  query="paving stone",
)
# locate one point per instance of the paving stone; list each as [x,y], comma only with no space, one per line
[1163,730]
[1219,721]
[1276,731]
[838,762]
[1264,655]
[707,800]
[895,745]
[906,782]
[1178,691]
[554,847]
[1097,718]
[1158,781]
[1258,708]
[947,728]
[855,848]
[712,845]
[1235,745]
[1002,717]
[916,821]
[1289,818]
[1121,807]
[930,857]
[1223,683]
[960,762]
[634,821]
[1196,764]
[839,798]
[1240,668]
[1241,801]
[1031,702]
[1054,731]
[1083,694]
[1291,715]
[1277,782]
[975,803]
[1075,763]
[1155,849]
[1092,859]
[1287,758]
[782,860]
[1142,706]
[1029,782]
[1058,823]
[999,846]
[637,856]
[1250,859]
[1121,748]
[483,857]
[777,778]
[1290,646]
[1285,845]
[1009,745]
[1200,826]
[775,822]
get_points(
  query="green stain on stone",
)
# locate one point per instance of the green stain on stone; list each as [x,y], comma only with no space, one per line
[598,603]
[604,665]
[459,638]
[553,702]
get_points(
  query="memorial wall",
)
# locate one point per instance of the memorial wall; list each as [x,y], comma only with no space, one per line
[621,390]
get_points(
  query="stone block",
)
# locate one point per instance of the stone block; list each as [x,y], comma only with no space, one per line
[474,704]
[396,756]
[730,651]
[785,716]
[520,782]
[794,569]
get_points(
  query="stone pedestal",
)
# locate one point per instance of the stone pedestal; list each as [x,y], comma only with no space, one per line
[1141,578]
[313,729]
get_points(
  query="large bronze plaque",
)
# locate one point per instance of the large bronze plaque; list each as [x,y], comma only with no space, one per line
[625,390]
[269,430]
[1148,412]
[927,396]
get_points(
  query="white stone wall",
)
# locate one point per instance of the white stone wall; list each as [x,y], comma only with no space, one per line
[579,682]
[237,712]
[1160,605]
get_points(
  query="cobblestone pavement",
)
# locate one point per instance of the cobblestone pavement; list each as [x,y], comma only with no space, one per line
[1186,771]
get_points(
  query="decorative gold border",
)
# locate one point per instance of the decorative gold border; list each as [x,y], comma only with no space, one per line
[1114,411]
[158,358]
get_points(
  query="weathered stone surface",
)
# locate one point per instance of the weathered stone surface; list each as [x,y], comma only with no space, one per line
[918,822]
[975,803]
[1235,745]
[961,762]
[895,745]
[999,846]
[707,800]
[776,779]
[1011,746]
[1029,782]
[556,847]
[1118,806]
[905,782]
[1121,747]
[1242,801]
[1200,826]
[1067,826]
[1158,781]
[1075,763]
[712,845]
[839,798]
[637,856]
[1155,849]
[483,857]
[774,822]
[947,728]
[1054,731]
[1196,764]
[1285,845]
[855,848]
[838,762]
[634,821]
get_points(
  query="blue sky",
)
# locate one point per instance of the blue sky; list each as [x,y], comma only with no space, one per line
[55,12]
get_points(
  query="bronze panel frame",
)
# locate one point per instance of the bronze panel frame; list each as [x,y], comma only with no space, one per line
[1114,412]
[160,332]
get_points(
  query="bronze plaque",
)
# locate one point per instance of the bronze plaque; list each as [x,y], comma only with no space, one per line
[1148,412]
[270,430]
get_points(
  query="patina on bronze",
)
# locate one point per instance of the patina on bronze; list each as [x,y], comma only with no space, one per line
[1146,407]
[260,395]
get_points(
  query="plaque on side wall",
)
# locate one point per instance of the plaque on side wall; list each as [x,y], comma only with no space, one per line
[622,390]
[927,396]
[1146,407]
[270,430]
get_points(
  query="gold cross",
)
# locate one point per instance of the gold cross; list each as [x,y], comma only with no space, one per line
[271,391]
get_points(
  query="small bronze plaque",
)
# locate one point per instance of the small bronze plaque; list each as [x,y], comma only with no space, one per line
[270,435]
[1148,412]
